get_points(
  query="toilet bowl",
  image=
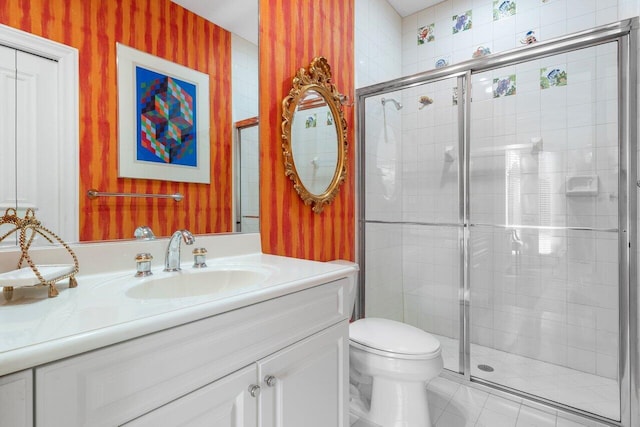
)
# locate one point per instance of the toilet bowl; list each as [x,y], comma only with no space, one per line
[390,365]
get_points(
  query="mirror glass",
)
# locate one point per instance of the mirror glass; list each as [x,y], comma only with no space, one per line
[244,78]
[314,135]
[314,142]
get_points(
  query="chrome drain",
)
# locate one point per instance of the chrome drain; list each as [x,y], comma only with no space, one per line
[485,368]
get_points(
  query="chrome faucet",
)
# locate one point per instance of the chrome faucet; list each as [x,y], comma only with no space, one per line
[172,256]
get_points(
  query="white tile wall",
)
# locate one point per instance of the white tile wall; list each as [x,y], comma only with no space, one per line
[377,42]
[244,78]
[549,19]
[378,59]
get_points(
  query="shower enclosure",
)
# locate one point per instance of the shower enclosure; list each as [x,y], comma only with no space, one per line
[497,211]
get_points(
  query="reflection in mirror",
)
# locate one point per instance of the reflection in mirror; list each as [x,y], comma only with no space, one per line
[247,176]
[314,135]
[245,117]
[314,142]
[110,218]
[38,79]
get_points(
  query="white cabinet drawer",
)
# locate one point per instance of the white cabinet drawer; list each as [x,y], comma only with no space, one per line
[116,384]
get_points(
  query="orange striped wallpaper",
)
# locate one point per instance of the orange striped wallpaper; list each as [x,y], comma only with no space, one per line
[164,29]
[292,33]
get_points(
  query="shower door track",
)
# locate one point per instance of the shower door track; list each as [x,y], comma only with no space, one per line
[430,224]
[625,33]
[545,227]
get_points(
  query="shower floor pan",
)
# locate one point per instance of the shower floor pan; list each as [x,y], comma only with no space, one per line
[581,390]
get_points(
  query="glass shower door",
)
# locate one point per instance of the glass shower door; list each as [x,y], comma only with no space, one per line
[543,240]
[413,223]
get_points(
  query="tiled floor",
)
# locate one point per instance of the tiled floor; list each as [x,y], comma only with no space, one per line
[559,384]
[458,405]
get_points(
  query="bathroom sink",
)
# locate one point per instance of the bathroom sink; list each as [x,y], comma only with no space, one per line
[199,282]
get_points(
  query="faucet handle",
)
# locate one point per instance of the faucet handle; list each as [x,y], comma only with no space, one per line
[199,258]
[187,237]
[143,264]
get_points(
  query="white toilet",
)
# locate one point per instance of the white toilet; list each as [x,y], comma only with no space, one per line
[390,365]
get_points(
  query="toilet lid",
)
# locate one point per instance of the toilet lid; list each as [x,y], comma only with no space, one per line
[393,337]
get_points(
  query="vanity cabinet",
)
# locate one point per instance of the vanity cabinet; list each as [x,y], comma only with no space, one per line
[16,399]
[301,385]
[203,371]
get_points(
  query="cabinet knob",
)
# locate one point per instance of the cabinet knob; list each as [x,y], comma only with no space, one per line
[270,380]
[254,390]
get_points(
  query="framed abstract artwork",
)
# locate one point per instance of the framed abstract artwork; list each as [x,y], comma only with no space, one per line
[163,119]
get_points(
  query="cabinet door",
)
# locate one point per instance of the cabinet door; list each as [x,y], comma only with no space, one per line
[224,403]
[306,384]
[16,399]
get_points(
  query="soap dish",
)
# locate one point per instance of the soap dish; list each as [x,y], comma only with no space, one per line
[24,277]
[34,275]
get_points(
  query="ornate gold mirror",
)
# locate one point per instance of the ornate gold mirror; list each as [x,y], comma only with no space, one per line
[314,135]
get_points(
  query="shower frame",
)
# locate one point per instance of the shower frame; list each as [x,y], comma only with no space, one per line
[625,33]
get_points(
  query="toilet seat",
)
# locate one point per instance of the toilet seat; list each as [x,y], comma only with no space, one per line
[389,338]
[395,355]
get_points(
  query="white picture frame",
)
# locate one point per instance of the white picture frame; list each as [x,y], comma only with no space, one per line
[170,143]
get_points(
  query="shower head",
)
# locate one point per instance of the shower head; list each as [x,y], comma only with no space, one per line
[396,103]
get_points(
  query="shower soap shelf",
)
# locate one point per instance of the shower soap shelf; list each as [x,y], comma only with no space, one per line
[34,275]
[582,185]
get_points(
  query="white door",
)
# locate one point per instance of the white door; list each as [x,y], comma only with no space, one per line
[223,403]
[31,168]
[7,134]
[306,384]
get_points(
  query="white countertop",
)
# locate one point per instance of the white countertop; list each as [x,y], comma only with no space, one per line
[35,329]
